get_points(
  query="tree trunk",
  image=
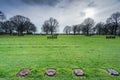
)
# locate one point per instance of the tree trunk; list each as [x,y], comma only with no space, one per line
[10,32]
[27,31]
[46,33]
[87,32]
[74,32]
[115,30]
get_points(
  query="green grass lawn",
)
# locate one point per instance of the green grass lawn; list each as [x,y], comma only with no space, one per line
[93,54]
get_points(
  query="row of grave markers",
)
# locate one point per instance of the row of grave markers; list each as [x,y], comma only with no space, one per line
[52,72]
[45,46]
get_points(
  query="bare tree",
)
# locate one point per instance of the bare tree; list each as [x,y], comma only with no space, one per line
[88,24]
[110,26]
[33,28]
[8,27]
[119,30]
[45,27]
[74,29]
[115,19]
[51,24]
[99,28]
[79,28]
[2,16]
[1,25]
[67,29]
[19,21]
[30,27]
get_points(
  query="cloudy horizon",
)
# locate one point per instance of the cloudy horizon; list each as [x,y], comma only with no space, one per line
[67,12]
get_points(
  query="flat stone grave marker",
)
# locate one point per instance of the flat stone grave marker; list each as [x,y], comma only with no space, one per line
[50,72]
[23,73]
[47,46]
[77,46]
[21,47]
[65,46]
[112,72]
[55,46]
[9,47]
[33,46]
[78,72]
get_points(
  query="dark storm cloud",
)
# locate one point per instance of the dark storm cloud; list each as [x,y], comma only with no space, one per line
[9,2]
[48,2]
[92,4]
[118,0]
[36,2]
[42,2]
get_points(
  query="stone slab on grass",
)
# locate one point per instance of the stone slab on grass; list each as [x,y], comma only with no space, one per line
[47,46]
[50,72]
[9,47]
[78,72]
[112,72]
[21,47]
[56,46]
[34,46]
[65,46]
[77,46]
[23,73]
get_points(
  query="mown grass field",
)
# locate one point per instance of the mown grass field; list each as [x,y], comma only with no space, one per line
[93,54]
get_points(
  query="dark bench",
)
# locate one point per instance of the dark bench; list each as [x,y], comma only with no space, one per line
[52,37]
[110,37]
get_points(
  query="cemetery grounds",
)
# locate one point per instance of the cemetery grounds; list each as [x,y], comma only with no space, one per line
[92,54]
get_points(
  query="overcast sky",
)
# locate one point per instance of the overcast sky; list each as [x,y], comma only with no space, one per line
[67,12]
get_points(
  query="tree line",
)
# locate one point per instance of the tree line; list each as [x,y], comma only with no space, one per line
[88,27]
[20,24]
[16,25]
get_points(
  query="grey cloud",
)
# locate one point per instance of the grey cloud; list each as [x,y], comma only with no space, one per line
[67,3]
[42,2]
[92,4]
[82,14]
[10,2]
[49,2]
